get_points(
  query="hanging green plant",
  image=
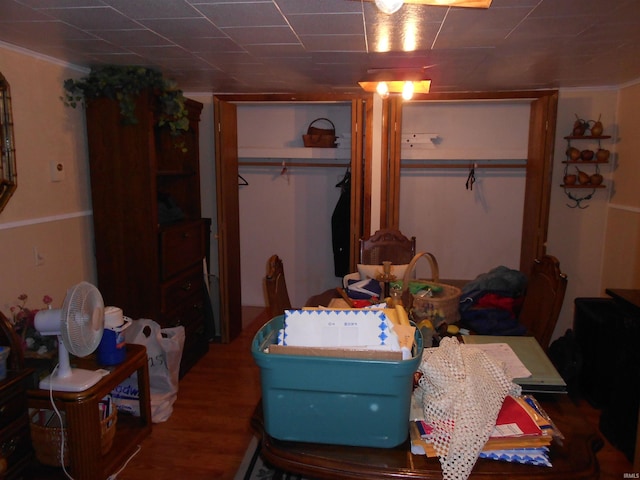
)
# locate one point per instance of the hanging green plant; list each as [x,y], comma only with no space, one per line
[124,84]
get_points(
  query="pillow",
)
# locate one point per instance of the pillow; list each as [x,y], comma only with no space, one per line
[372,271]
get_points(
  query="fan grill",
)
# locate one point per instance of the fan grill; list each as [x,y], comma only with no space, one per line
[82,326]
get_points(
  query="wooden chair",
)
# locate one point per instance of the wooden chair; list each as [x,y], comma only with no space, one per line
[543,299]
[277,295]
[387,245]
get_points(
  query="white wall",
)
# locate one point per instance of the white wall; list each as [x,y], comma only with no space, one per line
[288,214]
[53,217]
[469,231]
[576,236]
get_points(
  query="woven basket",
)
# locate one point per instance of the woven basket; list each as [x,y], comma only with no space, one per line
[320,137]
[46,440]
[444,304]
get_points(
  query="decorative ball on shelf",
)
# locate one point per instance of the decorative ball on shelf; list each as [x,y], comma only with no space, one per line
[595,179]
[586,155]
[596,128]
[602,155]
[583,178]
[573,153]
[579,127]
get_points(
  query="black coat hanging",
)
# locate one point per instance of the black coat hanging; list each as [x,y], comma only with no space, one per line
[340,226]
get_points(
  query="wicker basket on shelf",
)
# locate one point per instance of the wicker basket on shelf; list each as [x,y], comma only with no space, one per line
[445,303]
[46,440]
[320,137]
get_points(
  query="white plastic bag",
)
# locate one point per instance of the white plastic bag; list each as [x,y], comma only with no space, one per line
[164,351]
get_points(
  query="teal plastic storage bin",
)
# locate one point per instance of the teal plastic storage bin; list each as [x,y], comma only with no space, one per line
[334,400]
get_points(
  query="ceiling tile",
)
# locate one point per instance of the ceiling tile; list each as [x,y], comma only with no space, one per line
[262,35]
[334,43]
[92,18]
[311,45]
[242,14]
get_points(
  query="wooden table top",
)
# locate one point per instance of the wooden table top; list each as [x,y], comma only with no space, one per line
[574,459]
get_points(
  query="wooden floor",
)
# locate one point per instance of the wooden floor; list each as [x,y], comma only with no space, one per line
[208,432]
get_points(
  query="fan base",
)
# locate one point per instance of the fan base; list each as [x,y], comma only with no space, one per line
[78,381]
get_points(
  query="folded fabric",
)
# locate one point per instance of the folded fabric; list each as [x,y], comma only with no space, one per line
[498,279]
[528,456]
[496,300]
[416,286]
[363,289]
[491,321]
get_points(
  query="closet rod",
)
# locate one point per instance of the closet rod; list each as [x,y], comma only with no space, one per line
[463,165]
[291,164]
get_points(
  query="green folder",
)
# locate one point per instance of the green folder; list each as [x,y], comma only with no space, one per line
[544,376]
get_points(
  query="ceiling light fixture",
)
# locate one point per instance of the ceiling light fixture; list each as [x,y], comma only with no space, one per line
[392,6]
[389,6]
[403,81]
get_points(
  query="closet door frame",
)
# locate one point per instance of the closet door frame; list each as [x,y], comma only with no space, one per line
[539,168]
[227,201]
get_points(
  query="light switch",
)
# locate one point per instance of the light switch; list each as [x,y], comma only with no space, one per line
[57,171]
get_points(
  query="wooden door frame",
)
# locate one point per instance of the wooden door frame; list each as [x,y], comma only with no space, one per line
[539,169]
[361,114]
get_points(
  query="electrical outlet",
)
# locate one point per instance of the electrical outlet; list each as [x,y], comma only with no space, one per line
[37,257]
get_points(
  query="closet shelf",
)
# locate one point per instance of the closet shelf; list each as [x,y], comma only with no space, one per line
[295,152]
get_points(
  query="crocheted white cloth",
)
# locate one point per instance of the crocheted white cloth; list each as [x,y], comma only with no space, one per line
[462,391]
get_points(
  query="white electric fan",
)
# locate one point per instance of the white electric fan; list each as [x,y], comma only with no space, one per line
[79,326]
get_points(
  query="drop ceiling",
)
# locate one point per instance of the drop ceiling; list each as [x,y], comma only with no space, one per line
[311,46]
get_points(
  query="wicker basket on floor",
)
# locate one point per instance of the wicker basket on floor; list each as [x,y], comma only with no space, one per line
[46,440]
[446,303]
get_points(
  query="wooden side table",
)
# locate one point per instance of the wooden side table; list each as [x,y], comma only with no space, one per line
[83,419]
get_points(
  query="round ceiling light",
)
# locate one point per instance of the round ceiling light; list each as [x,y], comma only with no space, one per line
[389,6]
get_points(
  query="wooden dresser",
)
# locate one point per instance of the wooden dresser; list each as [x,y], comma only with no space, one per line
[15,439]
[150,239]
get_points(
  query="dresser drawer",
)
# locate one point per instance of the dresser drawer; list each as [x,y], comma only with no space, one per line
[177,290]
[189,313]
[12,404]
[181,246]
[15,447]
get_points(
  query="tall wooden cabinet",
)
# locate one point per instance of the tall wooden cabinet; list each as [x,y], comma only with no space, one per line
[150,239]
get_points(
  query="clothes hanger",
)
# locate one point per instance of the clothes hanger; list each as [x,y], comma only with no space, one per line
[242,181]
[471,179]
[346,179]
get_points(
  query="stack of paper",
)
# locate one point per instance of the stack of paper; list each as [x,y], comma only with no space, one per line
[522,434]
[367,334]
[542,376]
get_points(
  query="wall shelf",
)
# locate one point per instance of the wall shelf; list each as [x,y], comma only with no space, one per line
[595,163]
[295,152]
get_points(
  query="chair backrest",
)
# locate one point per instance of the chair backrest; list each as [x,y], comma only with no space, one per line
[543,299]
[276,286]
[387,245]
